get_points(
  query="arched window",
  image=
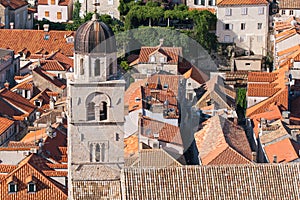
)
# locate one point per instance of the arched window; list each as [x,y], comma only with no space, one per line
[102,152]
[97,67]
[103,111]
[91,152]
[91,111]
[97,153]
[81,69]
[111,69]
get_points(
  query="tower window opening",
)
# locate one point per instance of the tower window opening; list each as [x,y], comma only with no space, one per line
[97,153]
[97,67]
[103,111]
[91,111]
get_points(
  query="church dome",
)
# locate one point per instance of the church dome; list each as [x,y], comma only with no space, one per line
[94,37]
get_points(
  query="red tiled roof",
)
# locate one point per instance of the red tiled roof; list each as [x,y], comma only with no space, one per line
[64,2]
[61,2]
[45,187]
[280,99]
[17,101]
[131,145]
[62,59]
[5,124]
[42,96]
[57,166]
[51,65]
[226,157]
[47,77]
[7,168]
[261,92]
[261,77]
[241,2]
[212,10]
[283,25]
[172,53]
[33,136]
[260,181]
[17,39]
[135,91]
[283,149]
[285,35]
[24,85]
[272,113]
[190,71]
[289,4]
[52,173]
[220,141]
[13,4]
[167,132]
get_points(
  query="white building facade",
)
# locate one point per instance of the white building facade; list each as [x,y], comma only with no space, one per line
[244,24]
[55,10]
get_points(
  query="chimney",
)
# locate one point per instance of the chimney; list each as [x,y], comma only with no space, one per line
[46,27]
[286,116]
[52,103]
[263,123]
[161,42]
[254,157]
[11,24]
[274,159]
[6,85]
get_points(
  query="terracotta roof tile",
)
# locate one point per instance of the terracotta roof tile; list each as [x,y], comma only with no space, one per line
[45,187]
[155,158]
[242,2]
[33,136]
[131,145]
[285,35]
[262,181]
[61,2]
[49,77]
[289,4]
[13,4]
[52,173]
[261,92]
[166,132]
[5,124]
[212,10]
[272,113]
[280,98]
[172,53]
[283,149]
[273,132]
[51,65]
[190,71]
[214,139]
[50,41]
[226,157]
[57,166]
[7,168]
[24,85]
[62,59]
[261,77]
[17,101]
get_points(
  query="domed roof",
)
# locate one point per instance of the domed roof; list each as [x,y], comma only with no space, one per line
[94,37]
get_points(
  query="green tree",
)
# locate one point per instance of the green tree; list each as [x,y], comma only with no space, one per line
[241,102]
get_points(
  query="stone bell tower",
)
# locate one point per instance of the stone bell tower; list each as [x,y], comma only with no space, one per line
[96,114]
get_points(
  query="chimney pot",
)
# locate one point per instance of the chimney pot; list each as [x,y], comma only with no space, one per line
[46,27]
[274,159]
[6,85]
